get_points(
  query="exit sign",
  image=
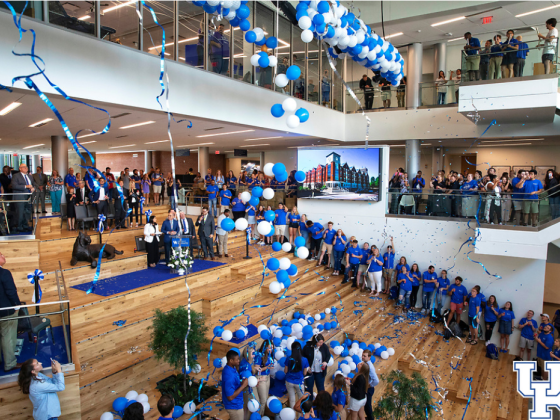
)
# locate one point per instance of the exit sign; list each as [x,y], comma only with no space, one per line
[217,152]
[487,19]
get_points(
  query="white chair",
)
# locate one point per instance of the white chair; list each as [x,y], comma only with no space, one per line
[407,200]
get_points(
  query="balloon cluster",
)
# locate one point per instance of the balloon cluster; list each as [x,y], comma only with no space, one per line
[121,403]
[352,351]
[299,115]
[339,27]
[236,12]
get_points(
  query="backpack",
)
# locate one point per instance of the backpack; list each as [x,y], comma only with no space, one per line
[435,316]
[491,352]
[453,331]
[394,293]
[463,325]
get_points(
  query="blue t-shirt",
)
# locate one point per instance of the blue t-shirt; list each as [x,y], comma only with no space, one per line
[316,230]
[338,245]
[418,184]
[442,282]
[365,255]
[156,179]
[212,191]
[459,293]
[496,50]
[225,197]
[473,42]
[280,217]
[297,377]
[466,187]
[71,180]
[489,315]
[532,186]
[303,227]
[514,182]
[399,268]
[474,302]
[507,315]
[232,181]
[527,331]
[389,260]
[512,42]
[250,210]
[136,179]
[294,217]
[429,287]
[415,277]
[209,178]
[406,285]
[548,341]
[237,204]
[355,255]
[230,383]
[329,236]
[374,267]
[523,50]
[258,362]
[338,398]
[557,352]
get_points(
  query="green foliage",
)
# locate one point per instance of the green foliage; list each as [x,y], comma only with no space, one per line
[182,391]
[168,336]
[409,402]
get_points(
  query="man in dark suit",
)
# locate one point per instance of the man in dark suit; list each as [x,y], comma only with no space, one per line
[8,329]
[41,181]
[101,198]
[6,180]
[205,225]
[187,225]
[169,228]
[23,184]
[82,194]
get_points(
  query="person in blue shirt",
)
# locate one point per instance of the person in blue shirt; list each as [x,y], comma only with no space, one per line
[157,180]
[264,361]
[389,266]
[339,245]
[522,53]
[231,182]
[294,217]
[362,268]
[528,327]
[70,179]
[458,294]
[474,303]
[416,278]
[496,58]
[316,232]
[545,320]
[555,353]
[212,191]
[280,223]
[209,177]
[402,263]
[404,280]
[485,60]
[517,196]
[251,216]
[473,59]
[418,183]
[507,323]
[545,341]
[339,396]
[491,312]
[225,198]
[328,239]
[470,187]
[238,207]
[232,387]
[509,47]
[443,287]
[296,369]
[353,257]
[375,269]
[531,189]
[429,285]
[303,228]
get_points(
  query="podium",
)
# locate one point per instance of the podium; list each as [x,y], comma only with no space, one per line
[182,241]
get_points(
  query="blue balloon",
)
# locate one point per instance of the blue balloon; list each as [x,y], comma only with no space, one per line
[276,246]
[320,327]
[356,359]
[235,21]
[318,19]
[265,335]
[199,3]
[330,32]
[218,331]
[334,324]
[240,334]
[344,353]
[363,346]
[275,405]
[310,320]
[292,270]
[269,215]
[245,374]
[129,403]
[357,49]
[301,6]
[282,177]
[225,11]
[282,276]
[276,110]
[272,42]
[301,13]
[273,264]
[227,224]
[278,169]
[303,115]
[244,25]
[296,315]
[264,61]
[320,29]
[286,330]
[119,404]
[300,240]
[254,201]
[284,322]
[261,43]
[293,72]
[217,362]
[255,416]
[323,316]
[280,376]
[347,342]
[276,341]
[351,375]
[327,326]
[186,371]
[209,9]
[271,233]
[282,362]
[334,344]
[307,329]
[380,350]
[243,12]
[250,37]
[257,192]
[323,7]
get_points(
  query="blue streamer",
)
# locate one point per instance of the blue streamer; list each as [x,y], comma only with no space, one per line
[470,395]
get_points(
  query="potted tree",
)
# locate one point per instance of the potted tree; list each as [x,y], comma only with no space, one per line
[168,344]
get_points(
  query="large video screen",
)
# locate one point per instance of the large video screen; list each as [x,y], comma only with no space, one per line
[340,174]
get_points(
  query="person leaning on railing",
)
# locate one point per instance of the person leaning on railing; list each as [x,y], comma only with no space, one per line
[522,53]
[485,60]
[531,188]
[552,187]
[550,44]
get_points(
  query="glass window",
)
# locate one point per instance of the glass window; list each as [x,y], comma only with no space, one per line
[265,21]
[242,52]
[77,15]
[191,35]
[326,79]
[153,33]
[298,59]
[337,86]
[284,28]
[119,23]
[34,9]
[313,80]
[219,46]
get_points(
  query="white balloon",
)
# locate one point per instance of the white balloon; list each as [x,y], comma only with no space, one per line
[362,54]
[353,41]
[304,22]
[371,55]
[131,395]
[267,168]
[377,49]
[265,418]
[274,287]
[352,351]
[145,406]
[391,351]
[236,4]
[281,81]
[285,263]
[328,311]
[197,368]
[289,105]
[231,15]
[291,341]
[213,2]
[330,362]
[299,335]
[316,331]
[360,36]
[264,227]
[384,355]
[297,327]
[227,335]
[255,60]
[293,121]
[339,11]
[345,369]
[287,414]
[227,4]
[317,317]
[279,354]
[189,408]
[286,246]
[245,196]
[307,36]
[348,359]
[303,322]
[355,346]
[302,252]
[262,328]
[342,42]
[107,416]
[241,224]
[377,345]
[338,350]
[352,365]
[260,34]
[253,405]
[272,61]
[252,381]
[142,398]
[268,193]
[224,361]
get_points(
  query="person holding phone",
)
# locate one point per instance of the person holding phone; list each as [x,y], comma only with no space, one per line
[41,389]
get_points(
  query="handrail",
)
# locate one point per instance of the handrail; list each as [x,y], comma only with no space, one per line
[35,304]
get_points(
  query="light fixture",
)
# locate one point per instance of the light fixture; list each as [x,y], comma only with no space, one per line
[455,39]
[198,144]
[35,145]
[254,145]
[449,21]
[307,147]
[88,142]
[537,11]
[265,138]
[137,125]
[504,145]
[397,145]
[89,135]
[118,6]
[40,123]
[426,144]
[394,35]
[225,134]
[86,17]
[503,141]
[119,147]
[228,151]
[9,108]
[159,141]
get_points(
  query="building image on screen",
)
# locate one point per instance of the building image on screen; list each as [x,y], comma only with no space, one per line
[340,174]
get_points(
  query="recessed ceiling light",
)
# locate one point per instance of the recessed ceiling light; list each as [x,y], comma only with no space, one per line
[449,21]
[225,134]
[88,135]
[86,17]
[397,145]
[137,125]
[394,35]
[503,141]
[88,142]
[455,39]
[198,144]
[254,145]
[35,145]
[159,141]
[119,147]
[41,123]
[228,151]
[10,108]
[426,144]
[110,9]
[503,145]
[537,11]
[265,138]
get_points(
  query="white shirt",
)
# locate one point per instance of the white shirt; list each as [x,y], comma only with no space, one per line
[148,230]
[83,194]
[550,46]
[317,361]
[219,229]
[184,226]
[101,193]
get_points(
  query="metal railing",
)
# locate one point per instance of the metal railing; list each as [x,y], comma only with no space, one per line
[17,216]
[378,97]
[439,93]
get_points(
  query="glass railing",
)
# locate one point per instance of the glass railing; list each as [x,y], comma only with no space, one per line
[439,93]
[509,60]
[488,207]
[376,98]
[17,219]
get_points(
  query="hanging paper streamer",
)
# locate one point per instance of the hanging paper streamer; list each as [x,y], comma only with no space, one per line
[142,201]
[470,395]
[493,122]
[36,276]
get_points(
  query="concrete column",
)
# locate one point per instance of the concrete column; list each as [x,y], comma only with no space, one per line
[59,153]
[440,59]
[262,161]
[36,159]
[413,75]
[203,160]
[437,160]
[147,161]
[412,157]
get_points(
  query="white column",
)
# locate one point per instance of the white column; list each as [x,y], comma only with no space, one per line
[440,57]
[203,160]
[412,157]
[413,75]
[59,153]
[36,159]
